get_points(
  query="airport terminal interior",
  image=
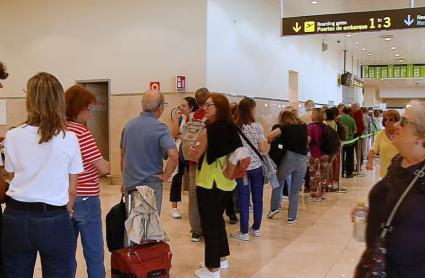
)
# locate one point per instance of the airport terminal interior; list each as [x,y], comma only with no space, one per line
[283,54]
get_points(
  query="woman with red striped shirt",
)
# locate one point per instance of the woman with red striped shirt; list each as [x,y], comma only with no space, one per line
[87,211]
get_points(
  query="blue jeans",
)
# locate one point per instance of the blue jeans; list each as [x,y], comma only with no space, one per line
[295,165]
[87,220]
[27,232]
[256,183]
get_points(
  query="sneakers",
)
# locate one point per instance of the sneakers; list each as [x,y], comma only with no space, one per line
[254,233]
[223,265]
[205,273]
[292,220]
[233,219]
[196,237]
[240,236]
[175,214]
[272,213]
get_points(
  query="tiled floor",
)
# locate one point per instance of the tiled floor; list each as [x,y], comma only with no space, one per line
[319,245]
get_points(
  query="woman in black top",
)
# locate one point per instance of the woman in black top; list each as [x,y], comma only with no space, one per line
[294,162]
[406,242]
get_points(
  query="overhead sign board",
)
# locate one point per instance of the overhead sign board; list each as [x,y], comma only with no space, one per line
[379,72]
[354,22]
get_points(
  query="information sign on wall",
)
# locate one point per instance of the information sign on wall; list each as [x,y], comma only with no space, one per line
[155,85]
[392,71]
[354,22]
[181,83]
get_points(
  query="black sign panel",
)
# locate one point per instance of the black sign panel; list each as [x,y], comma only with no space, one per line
[354,22]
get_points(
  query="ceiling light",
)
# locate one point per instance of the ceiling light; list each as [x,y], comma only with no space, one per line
[363,49]
[373,59]
[369,54]
[356,42]
[397,55]
[387,39]
[314,2]
[393,48]
[401,60]
[348,35]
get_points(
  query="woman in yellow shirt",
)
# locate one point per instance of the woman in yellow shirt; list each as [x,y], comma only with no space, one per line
[383,143]
[216,142]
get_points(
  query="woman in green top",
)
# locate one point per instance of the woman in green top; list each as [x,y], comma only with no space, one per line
[216,142]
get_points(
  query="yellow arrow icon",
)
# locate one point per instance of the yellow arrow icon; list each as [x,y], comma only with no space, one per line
[296,28]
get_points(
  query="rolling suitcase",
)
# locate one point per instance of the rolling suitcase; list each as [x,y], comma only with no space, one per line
[150,259]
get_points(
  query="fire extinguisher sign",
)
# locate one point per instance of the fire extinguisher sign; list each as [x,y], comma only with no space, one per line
[181,83]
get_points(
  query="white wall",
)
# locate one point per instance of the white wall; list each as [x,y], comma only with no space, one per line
[130,42]
[246,54]
[411,92]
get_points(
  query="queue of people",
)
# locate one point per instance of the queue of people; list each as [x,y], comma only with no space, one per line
[54,164]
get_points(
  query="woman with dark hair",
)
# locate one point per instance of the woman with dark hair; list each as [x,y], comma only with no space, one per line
[216,143]
[181,116]
[293,134]
[44,161]
[87,217]
[318,161]
[254,180]
[3,185]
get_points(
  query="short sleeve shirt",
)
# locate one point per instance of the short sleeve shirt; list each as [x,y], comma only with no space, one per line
[88,181]
[255,133]
[144,141]
[386,150]
[41,170]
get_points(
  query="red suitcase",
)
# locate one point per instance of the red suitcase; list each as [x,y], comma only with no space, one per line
[148,260]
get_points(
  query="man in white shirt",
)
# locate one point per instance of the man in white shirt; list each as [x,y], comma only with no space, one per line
[306,116]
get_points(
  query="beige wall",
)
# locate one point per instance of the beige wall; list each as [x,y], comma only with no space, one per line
[15,114]
[130,42]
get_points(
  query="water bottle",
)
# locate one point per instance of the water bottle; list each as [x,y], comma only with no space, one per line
[359,229]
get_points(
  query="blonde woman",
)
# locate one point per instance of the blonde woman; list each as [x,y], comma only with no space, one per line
[44,161]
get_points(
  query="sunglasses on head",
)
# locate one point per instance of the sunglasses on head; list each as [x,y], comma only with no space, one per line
[404,121]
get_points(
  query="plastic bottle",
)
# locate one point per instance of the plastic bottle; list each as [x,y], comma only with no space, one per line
[359,229]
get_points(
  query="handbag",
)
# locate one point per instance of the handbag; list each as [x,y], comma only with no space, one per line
[372,262]
[269,167]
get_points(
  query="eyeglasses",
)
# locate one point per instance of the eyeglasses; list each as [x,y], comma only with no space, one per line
[404,121]
[209,104]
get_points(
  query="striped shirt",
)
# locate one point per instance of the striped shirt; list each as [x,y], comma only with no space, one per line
[88,181]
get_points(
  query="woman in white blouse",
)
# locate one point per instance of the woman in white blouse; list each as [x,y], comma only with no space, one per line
[44,161]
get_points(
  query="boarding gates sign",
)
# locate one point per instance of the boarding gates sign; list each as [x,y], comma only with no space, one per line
[379,72]
[354,22]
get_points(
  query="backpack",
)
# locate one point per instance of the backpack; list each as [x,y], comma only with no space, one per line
[115,226]
[330,142]
[189,137]
[276,151]
[342,131]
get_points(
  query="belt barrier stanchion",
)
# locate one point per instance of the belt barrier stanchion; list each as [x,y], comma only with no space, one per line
[359,152]
[341,189]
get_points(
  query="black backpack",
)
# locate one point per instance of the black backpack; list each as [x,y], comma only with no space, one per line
[276,151]
[115,226]
[330,142]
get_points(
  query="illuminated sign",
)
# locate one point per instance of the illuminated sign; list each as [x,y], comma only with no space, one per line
[393,71]
[354,22]
[358,82]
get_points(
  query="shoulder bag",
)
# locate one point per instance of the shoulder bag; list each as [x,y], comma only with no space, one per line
[269,167]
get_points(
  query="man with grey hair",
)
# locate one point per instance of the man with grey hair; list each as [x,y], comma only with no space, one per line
[144,142]
[306,116]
